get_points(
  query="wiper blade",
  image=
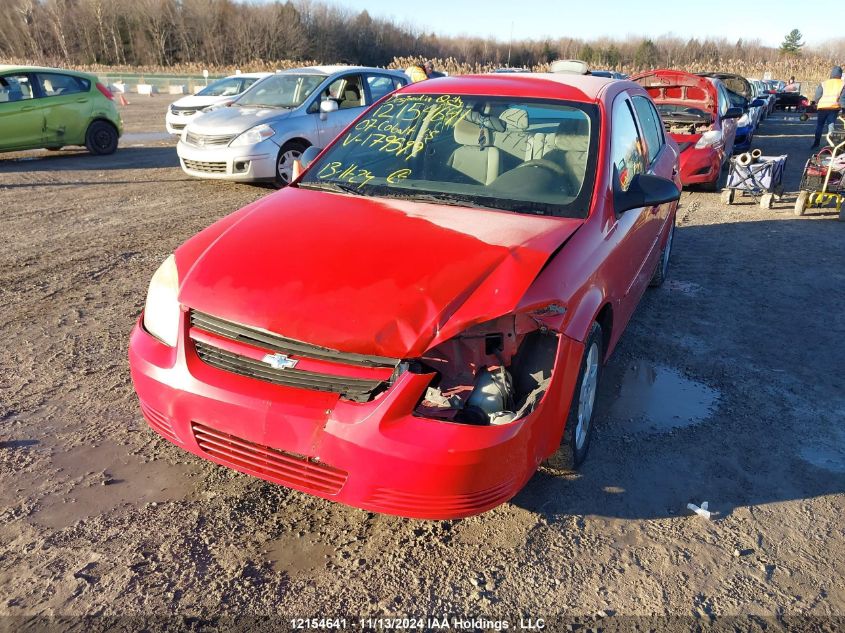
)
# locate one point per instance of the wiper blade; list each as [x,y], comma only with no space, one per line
[331,185]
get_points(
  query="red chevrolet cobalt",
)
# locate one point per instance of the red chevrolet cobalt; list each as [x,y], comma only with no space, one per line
[421,318]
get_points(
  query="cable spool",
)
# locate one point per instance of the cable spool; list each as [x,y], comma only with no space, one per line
[744,159]
[756,154]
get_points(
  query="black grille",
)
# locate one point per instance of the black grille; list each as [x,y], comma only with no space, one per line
[356,389]
[271,341]
[205,166]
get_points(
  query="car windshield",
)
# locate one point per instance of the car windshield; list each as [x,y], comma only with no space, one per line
[222,88]
[512,154]
[285,90]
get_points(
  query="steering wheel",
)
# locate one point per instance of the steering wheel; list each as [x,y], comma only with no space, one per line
[547,164]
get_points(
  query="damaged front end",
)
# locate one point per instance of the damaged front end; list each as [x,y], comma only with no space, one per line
[491,374]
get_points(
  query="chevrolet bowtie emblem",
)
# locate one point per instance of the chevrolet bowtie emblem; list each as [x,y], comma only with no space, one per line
[280,361]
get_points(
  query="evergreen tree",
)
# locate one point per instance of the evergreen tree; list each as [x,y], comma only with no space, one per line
[792,43]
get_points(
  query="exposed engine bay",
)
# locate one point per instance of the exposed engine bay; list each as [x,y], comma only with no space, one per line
[492,374]
[677,120]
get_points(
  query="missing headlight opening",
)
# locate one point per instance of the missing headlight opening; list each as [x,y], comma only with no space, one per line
[492,374]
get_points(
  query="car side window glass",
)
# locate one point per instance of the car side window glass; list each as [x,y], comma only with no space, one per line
[54,84]
[626,147]
[15,88]
[398,83]
[651,125]
[379,86]
[347,91]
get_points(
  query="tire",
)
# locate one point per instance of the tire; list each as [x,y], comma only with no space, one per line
[579,421]
[801,202]
[662,270]
[101,138]
[290,151]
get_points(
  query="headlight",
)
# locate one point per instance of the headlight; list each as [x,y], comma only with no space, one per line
[709,139]
[161,314]
[743,120]
[253,136]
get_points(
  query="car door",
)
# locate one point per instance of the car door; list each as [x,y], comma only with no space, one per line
[634,232]
[21,115]
[67,107]
[662,157]
[348,91]
[728,126]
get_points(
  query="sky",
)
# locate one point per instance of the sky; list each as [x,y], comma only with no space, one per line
[765,20]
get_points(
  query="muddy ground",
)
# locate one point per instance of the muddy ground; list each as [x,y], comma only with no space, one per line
[727,387]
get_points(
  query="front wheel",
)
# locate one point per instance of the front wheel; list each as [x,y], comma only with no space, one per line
[101,138]
[662,270]
[579,422]
[288,155]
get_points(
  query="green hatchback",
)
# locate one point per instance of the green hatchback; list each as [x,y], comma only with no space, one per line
[51,108]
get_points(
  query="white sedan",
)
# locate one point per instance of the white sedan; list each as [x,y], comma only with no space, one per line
[221,92]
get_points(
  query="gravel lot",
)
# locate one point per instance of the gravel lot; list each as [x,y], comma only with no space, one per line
[727,387]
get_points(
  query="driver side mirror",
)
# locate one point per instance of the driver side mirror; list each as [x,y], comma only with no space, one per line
[326,106]
[733,113]
[307,157]
[645,190]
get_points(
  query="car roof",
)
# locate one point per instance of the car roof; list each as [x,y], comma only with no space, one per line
[247,75]
[338,68]
[571,87]
[30,69]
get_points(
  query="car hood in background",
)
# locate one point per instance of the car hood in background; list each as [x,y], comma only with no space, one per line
[235,119]
[196,101]
[678,87]
[363,275]
[734,83]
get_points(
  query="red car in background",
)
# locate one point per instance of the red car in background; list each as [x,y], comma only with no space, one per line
[421,317]
[697,113]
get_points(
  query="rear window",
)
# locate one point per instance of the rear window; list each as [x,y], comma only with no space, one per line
[56,84]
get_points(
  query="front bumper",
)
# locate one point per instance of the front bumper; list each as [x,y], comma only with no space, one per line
[375,455]
[700,165]
[176,123]
[242,164]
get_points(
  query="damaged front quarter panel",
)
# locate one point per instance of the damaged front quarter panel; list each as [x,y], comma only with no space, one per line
[492,373]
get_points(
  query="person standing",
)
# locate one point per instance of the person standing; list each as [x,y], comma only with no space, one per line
[830,97]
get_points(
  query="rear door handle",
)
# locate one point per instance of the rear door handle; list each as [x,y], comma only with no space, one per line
[82,100]
[27,108]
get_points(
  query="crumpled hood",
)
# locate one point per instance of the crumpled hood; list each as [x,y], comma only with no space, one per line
[363,275]
[235,119]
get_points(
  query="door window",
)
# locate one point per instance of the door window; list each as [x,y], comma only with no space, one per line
[15,88]
[347,91]
[651,124]
[54,84]
[380,86]
[626,147]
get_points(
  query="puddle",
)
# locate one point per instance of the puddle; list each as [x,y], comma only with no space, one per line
[145,137]
[298,555]
[646,398]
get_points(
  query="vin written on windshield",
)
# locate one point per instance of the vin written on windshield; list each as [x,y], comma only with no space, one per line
[518,155]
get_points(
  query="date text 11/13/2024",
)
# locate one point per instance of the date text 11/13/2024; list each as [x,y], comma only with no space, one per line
[429,623]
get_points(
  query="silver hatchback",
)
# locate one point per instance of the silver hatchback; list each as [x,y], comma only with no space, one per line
[260,135]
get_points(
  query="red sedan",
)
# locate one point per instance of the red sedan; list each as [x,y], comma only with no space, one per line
[421,318]
[697,113]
